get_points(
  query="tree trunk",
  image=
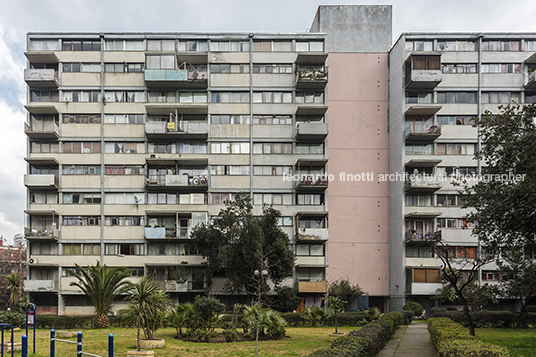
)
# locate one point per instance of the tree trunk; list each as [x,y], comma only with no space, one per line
[468,316]
[523,315]
[138,344]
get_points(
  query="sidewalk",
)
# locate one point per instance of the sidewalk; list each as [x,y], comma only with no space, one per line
[412,340]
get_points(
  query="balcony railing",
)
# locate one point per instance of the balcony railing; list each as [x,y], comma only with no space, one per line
[187,76]
[167,232]
[41,181]
[183,128]
[43,233]
[313,234]
[177,181]
[312,182]
[47,77]
[42,130]
[311,131]
[313,286]
[40,285]
[423,183]
[311,78]
[428,236]
[426,133]
[530,80]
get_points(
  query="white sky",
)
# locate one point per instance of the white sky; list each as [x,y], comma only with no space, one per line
[21,16]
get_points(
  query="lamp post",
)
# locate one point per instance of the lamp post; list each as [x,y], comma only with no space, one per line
[260,277]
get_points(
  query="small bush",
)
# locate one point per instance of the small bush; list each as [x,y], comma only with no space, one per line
[230,335]
[415,307]
[373,314]
[347,319]
[293,319]
[437,310]
[15,319]
[451,339]
[326,352]
[408,316]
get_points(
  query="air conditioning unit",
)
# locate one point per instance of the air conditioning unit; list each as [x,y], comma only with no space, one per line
[32,261]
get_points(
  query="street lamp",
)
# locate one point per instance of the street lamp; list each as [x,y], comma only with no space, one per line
[259,291]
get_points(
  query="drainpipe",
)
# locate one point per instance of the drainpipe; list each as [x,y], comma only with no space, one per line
[102,102]
[479,143]
[251,116]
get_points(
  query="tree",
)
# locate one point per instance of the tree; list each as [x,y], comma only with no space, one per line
[240,243]
[459,273]
[180,317]
[148,306]
[285,300]
[345,290]
[517,274]
[15,284]
[337,304]
[102,285]
[504,200]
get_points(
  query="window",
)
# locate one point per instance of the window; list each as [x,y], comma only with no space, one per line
[81,45]
[192,97]
[44,249]
[122,148]
[124,249]
[44,147]
[501,68]
[455,120]
[124,221]
[82,67]
[81,198]
[229,119]
[272,68]
[272,119]
[312,46]
[162,249]
[268,170]
[231,170]
[272,148]
[160,62]
[419,149]
[121,96]
[272,97]
[310,199]
[310,274]
[284,221]
[229,46]
[124,170]
[44,122]
[530,97]
[81,119]
[450,200]
[123,67]
[455,149]
[500,97]
[81,170]
[310,250]
[229,68]
[125,198]
[312,222]
[44,96]
[81,220]
[160,45]
[44,170]
[88,96]
[49,198]
[269,46]
[310,148]
[455,46]
[229,147]
[419,251]
[421,62]
[230,97]
[221,198]
[84,147]
[72,249]
[45,45]
[193,45]
[456,97]
[504,46]
[458,68]
[418,98]
[530,45]
[124,45]
[124,119]
[310,97]
[193,147]
[272,198]
[423,275]
[419,200]
[490,275]
[419,45]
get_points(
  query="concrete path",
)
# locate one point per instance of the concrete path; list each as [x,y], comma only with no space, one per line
[409,341]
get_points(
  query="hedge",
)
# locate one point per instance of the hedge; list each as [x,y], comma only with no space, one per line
[15,319]
[494,319]
[408,316]
[450,339]
[366,342]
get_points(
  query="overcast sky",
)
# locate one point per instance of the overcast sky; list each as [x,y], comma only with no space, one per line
[21,16]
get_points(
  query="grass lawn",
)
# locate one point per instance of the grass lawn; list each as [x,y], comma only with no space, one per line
[299,341]
[520,342]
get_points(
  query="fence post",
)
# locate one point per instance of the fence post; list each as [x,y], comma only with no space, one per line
[79,345]
[110,345]
[24,346]
[52,342]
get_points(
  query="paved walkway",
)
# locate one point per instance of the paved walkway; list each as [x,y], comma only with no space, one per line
[408,341]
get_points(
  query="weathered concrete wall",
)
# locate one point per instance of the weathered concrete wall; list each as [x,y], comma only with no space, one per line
[355,28]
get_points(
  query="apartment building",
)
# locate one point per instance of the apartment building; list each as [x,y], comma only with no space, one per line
[438,83]
[136,138]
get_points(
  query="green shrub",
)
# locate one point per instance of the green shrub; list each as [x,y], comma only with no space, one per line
[437,310]
[347,319]
[494,319]
[15,319]
[293,319]
[408,316]
[326,352]
[414,306]
[451,339]
[230,334]
[531,308]
[396,319]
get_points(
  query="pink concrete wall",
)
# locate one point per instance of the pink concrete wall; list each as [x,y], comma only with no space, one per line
[358,246]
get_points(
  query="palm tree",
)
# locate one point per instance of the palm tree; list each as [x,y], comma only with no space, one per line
[15,284]
[180,317]
[102,285]
[148,305]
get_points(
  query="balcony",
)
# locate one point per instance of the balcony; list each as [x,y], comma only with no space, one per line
[178,182]
[423,184]
[312,183]
[425,134]
[40,285]
[530,80]
[42,233]
[43,182]
[311,131]
[311,78]
[313,234]
[176,78]
[423,288]
[423,71]
[41,78]
[412,236]
[42,56]
[48,131]
[319,287]
[171,130]
[167,232]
